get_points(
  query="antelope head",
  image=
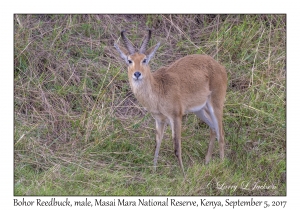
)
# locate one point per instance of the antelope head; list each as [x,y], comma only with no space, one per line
[137,62]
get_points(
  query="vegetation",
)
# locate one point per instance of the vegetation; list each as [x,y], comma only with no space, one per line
[78,130]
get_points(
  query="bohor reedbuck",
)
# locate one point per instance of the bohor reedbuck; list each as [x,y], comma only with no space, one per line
[194,83]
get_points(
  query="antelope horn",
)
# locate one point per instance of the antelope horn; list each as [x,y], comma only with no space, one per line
[145,42]
[127,43]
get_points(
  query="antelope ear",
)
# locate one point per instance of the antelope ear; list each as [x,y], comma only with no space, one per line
[123,52]
[151,51]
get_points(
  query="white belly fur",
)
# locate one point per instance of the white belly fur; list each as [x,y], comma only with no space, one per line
[196,108]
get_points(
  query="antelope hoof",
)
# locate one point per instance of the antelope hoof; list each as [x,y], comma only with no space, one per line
[207,159]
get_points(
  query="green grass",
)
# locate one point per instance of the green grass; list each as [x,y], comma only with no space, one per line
[78,130]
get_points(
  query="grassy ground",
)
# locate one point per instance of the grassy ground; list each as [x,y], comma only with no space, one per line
[78,130]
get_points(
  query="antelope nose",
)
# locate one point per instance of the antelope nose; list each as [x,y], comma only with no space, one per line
[137,74]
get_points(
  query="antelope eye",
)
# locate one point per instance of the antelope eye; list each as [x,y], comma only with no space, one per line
[129,61]
[145,60]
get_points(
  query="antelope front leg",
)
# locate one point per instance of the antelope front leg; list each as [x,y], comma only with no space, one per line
[176,135]
[160,127]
